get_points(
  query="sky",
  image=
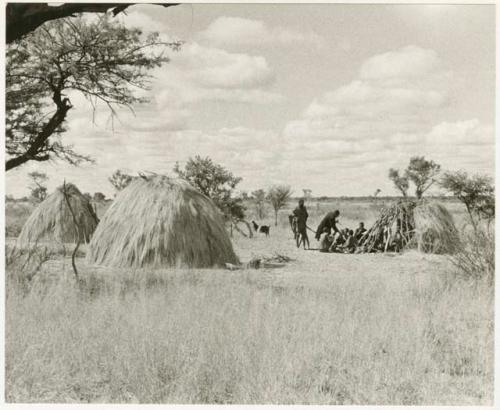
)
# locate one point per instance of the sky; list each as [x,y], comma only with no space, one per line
[326,97]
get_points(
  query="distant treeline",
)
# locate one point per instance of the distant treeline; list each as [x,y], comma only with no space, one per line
[443,198]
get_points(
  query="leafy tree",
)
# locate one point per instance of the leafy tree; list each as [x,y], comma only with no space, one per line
[37,186]
[214,181]
[400,182]
[422,173]
[260,198]
[99,197]
[23,18]
[278,196]
[475,192]
[120,180]
[102,59]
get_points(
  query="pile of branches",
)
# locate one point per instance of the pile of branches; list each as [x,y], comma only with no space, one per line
[393,230]
[263,262]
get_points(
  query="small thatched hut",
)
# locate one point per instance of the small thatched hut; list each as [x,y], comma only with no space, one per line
[435,231]
[51,223]
[161,222]
[425,225]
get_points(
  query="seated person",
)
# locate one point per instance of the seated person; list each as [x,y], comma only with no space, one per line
[349,245]
[338,240]
[360,231]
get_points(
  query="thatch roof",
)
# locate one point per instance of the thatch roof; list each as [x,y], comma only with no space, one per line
[435,229]
[52,223]
[161,222]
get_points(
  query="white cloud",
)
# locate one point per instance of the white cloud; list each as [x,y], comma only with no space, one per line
[215,68]
[392,111]
[199,73]
[133,18]
[408,62]
[237,31]
[371,107]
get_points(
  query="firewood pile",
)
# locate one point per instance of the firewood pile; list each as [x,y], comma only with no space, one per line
[263,262]
[393,230]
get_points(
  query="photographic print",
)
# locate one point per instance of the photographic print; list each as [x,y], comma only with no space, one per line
[212,203]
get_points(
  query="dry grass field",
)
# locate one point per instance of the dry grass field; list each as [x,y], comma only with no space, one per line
[324,329]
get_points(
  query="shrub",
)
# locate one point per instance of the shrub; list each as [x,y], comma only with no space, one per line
[475,259]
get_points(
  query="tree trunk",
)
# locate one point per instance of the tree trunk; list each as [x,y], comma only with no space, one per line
[275,217]
[37,145]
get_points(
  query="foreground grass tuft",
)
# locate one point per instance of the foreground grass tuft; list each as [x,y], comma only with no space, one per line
[220,337]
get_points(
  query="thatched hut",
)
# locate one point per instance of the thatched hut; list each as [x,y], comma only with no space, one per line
[407,223]
[435,231]
[161,222]
[52,223]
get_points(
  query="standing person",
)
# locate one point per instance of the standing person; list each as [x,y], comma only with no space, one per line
[326,226]
[301,215]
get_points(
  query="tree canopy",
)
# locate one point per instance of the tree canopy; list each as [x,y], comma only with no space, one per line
[420,171]
[476,192]
[23,18]
[214,181]
[120,180]
[400,181]
[37,187]
[102,59]
[278,196]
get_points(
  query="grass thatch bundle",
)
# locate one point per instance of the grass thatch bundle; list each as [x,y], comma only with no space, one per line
[435,230]
[160,222]
[51,223]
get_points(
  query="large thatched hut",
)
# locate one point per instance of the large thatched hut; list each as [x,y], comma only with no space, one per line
[52,223]
[161,222]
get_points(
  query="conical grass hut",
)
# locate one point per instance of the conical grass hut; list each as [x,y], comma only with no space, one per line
[161,222]
[435,230]
[52,223]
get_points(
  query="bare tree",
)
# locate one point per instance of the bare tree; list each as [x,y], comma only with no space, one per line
[278,196]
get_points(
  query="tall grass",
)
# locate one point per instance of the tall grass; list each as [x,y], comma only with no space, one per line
[220,337]
[475,258]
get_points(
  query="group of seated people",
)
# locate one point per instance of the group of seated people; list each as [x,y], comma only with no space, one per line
[335,240]
[345,240]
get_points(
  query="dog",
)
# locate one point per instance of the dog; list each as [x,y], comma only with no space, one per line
[262,229]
